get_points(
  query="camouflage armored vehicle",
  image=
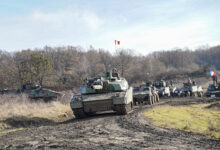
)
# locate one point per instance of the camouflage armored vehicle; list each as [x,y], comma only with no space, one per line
[45,94]
[36,92]
[103,94]
[145,94]
[163,88]
[191,89]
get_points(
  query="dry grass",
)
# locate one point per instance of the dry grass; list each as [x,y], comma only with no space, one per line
[199,118]
[17,111]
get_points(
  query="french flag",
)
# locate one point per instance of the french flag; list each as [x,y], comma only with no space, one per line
[212,73]
[117,42]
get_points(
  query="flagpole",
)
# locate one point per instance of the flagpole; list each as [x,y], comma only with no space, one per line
[115,48]
[115,45]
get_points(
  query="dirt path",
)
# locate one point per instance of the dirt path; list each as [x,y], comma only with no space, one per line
[109,131]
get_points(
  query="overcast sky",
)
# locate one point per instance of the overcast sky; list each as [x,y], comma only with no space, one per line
[143,25]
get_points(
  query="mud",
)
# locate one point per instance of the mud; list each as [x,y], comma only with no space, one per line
[109,131]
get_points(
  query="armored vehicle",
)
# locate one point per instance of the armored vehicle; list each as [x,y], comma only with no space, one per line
[103,94]
[145,94]
[213,89]
[35,91]
[45,94]
[191,89]
[163,88]
[177,92]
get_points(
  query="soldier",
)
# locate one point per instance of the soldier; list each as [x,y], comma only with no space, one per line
[149,83]
[171,82]
[189,81]
[215,80]
[115,73]
[194,83]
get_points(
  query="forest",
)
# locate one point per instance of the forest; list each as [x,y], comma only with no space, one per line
[66,67]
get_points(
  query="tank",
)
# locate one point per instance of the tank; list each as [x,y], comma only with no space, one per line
[111,92]
[35,91]
[45,94]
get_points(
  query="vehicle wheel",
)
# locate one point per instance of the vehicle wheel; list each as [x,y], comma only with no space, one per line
[79,113]
[140,102]
[182,95]
[135,101]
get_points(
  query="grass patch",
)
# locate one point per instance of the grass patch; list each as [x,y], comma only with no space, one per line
[198,118]
[19,112]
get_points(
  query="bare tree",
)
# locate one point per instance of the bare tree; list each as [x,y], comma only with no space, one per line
[123,59]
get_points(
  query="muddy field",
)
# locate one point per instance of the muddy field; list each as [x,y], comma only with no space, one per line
[109,131]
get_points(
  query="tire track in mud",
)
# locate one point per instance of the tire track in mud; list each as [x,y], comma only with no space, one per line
[109,131]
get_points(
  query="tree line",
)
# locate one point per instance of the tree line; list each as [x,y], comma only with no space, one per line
[66,67]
